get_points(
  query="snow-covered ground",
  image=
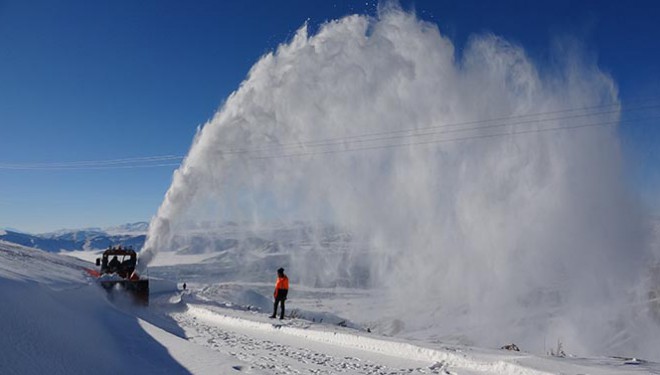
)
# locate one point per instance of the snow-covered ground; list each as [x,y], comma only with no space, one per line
[86,255]
[56,321]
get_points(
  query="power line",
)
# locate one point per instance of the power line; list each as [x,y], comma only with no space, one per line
[143,159]
[114,163]
[438,141]
[76,168]
[418,132]
[617,106]
[401,134]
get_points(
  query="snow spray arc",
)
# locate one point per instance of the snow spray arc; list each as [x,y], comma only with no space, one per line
[486,233]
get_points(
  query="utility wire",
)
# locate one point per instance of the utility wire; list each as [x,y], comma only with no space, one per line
[617,109]
[431,130]
[77,168]
[437,141]
[364,148]
[347,141]
[144,159]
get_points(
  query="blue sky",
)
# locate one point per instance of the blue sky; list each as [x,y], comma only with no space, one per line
[99,80]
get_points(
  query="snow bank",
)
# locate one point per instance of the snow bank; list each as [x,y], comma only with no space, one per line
[74,331]
[359,342]
[25,264]
[55,322]
[456,358]
[86,255]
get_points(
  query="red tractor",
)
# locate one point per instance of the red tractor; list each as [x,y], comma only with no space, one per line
[118,272]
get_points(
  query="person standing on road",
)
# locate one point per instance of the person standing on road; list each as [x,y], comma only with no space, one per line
[281,291]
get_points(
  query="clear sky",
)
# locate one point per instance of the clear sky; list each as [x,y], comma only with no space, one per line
[88,80]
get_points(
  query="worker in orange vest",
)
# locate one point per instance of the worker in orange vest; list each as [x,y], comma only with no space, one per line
[281,291]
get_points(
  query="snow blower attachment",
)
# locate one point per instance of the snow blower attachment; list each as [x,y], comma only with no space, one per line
[118,272]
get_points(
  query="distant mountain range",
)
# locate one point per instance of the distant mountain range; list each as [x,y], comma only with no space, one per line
[132,234]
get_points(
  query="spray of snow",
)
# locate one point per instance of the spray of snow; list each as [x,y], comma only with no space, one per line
[476,234]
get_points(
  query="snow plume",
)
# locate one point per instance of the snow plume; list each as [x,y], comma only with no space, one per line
[480,222]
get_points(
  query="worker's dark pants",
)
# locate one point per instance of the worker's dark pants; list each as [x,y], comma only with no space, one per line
[281,297]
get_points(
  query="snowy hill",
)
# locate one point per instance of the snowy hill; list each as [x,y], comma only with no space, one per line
[55,321]
[67,326]
[82,239]
[140,227]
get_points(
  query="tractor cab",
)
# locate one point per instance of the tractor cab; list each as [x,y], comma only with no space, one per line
[118,260]
[118,273]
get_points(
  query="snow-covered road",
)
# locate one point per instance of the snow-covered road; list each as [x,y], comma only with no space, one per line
[56,321]
[278,348]
[301,347]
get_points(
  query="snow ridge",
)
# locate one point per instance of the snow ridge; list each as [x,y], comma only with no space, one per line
[390,347]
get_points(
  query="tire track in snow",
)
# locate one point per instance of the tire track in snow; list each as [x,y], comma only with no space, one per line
[445,360]
[275,357]
[295,348]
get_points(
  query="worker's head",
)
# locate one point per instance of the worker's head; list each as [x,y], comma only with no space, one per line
[280,271]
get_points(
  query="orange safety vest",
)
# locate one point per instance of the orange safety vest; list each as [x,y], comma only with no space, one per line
[282,283]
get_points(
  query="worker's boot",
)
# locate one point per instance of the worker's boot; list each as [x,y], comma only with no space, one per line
[274,311]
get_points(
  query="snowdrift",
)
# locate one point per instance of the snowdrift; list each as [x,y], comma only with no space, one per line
[55,321]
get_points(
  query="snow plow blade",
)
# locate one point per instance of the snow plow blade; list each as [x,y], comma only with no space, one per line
[118,274]
[138,289]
